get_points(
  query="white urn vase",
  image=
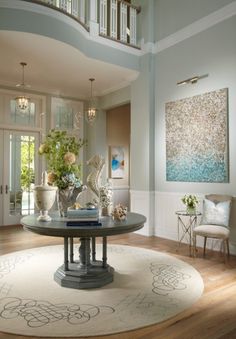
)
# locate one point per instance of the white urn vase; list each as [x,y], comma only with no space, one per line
[44,197]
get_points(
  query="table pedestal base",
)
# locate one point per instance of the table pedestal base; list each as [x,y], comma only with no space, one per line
[78,277]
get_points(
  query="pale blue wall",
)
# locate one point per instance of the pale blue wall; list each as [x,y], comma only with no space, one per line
[114,99]
[173,15]
[211,52]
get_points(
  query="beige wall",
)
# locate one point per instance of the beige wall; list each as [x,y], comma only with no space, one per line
[118,134]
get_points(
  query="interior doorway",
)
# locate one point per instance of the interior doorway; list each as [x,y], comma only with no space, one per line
[118,142]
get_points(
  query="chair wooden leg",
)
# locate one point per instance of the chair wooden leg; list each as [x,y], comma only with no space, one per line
[224,249]
[227,243]
[204,249]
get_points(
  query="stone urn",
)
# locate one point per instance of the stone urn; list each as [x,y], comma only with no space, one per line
[44,197]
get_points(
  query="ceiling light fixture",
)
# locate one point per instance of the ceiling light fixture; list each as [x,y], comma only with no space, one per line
[22,102]
[90,113]
[192,80]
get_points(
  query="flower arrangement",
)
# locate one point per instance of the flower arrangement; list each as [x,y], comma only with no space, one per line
[190,201]
[61,152]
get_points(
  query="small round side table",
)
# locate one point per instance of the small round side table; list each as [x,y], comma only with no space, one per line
[186,223]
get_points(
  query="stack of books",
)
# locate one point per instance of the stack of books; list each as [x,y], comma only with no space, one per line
[83,217]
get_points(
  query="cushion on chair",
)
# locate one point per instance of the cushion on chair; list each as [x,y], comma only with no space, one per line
[212,231]
[216,213]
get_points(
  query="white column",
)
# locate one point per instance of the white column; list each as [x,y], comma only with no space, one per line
[93,11]
[123,22]
[133,25]
[113,18]
[93,15]
[103,17]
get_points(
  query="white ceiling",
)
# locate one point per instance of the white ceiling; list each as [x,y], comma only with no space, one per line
[56,67]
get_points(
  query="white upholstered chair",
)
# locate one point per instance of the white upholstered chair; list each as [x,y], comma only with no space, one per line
[215,221]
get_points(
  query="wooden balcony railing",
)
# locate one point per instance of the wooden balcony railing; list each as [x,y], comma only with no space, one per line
[114,19]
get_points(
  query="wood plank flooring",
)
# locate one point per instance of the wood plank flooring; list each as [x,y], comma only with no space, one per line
[212,317]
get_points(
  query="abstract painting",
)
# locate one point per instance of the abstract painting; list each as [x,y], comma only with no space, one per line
[197,139]
[117,162]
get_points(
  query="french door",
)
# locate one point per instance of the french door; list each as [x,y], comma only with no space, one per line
[18,174]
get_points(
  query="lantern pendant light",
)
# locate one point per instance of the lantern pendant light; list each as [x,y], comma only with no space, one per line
[22,102]
[91,112]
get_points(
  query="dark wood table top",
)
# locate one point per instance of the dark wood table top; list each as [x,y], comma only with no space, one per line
[57,226]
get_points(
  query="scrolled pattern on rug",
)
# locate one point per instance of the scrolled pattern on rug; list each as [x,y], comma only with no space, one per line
[39,313]
[148,287]
[167,278]
[8,265]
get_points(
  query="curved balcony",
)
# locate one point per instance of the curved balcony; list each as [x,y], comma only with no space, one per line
[112,19]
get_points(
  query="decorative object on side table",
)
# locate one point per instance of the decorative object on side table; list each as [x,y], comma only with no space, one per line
[119,213]
[191,202]
[61,152]
[44,197]
[106,195]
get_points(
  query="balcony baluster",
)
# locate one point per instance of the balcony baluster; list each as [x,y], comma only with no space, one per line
[114,19]
[123,21]
[103,17]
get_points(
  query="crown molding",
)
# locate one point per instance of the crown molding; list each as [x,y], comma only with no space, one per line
[147,47]
[196,27]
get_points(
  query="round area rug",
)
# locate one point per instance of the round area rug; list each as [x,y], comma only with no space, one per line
[148,287]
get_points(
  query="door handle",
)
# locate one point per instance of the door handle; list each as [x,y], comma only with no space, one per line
[1,190]
[6,189]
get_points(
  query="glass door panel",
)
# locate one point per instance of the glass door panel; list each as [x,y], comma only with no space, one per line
[20,157]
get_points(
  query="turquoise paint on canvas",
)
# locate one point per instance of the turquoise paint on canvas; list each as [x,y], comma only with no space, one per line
[197,138]
[199,169]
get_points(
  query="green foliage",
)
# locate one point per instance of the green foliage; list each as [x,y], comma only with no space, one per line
[27,159]
[60,151]
[27,177]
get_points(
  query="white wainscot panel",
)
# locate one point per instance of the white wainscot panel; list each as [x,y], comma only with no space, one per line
[121,196]
[143,202]
[166,204]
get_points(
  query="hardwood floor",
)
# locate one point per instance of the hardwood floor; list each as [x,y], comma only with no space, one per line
[212,317]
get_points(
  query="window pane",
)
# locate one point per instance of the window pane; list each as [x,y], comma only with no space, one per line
[64,117]
[27,118]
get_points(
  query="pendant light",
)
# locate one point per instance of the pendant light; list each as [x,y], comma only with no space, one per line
[22,102]
[91,112]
